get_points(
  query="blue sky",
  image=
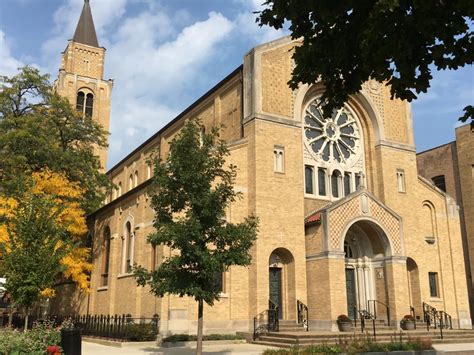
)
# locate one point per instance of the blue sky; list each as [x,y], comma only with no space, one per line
[164,54]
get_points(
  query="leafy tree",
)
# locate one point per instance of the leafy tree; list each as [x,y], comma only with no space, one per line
[40,235]
[346,43]
[191,191]
[40,129]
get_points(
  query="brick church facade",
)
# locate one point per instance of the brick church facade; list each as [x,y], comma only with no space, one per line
[346,222]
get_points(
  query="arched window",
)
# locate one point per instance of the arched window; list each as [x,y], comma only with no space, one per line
[80,101]
[130,182]
[127,248]
[119,192]
[335,183]
[148,171]
[333,150]
[89,104]
[135,181]
[85,103]
[106,257]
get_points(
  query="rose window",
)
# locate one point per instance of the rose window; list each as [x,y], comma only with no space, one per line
[334,138]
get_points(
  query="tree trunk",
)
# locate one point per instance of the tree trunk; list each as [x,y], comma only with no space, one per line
[26,319]
[200,324]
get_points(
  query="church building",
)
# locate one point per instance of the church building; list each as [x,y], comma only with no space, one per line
[346,224]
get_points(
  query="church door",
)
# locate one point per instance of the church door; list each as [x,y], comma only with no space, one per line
[275,289]
[351,293]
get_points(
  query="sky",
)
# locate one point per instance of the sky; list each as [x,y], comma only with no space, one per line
[164,54]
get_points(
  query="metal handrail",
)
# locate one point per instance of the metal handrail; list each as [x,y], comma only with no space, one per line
[431,316]
[413,314]
[266,321]
[387,308]
[303,315]
[364,314]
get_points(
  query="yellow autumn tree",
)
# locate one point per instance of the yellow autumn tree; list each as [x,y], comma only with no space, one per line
[40,237]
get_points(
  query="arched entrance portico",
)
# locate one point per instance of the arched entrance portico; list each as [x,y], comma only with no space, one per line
[281,283]
[365,249]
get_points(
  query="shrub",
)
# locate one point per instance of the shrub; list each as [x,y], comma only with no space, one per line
[34,341]
[141,332]
[186,337]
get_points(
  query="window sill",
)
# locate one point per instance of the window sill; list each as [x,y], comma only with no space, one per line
[435,299]
[102,288]
[122,276]
[316,197]
[223,295]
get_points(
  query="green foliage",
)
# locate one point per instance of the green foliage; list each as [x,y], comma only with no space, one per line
[355,346]
[35,246]
[346,43]
[40,129]
[141,332]
[186,337]
[191,191]
[34,341]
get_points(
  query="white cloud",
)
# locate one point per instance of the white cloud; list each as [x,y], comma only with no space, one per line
[246,25]
[105,13]
[150,59]
[8,64]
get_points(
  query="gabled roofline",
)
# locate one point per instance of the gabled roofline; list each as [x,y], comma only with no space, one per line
[177,118]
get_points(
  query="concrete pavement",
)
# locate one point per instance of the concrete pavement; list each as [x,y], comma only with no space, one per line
[225,349]
[222,349]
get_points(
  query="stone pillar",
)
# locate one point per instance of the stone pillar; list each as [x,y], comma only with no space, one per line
[397,286]
[326,290]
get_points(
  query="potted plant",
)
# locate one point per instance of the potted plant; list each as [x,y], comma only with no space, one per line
[407,322]
[344,323]
[70,338]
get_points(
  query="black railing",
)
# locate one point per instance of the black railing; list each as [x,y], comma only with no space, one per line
[372,308]
[413,314]
[266,321]
[365,315]
[436,319]
[302,314]
[123,327]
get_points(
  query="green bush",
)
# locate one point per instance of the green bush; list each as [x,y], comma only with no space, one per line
[141,332]
[34,341]
[186,337]
[354,346]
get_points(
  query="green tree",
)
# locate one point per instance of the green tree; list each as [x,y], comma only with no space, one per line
[40,231]
[346,43]
[40,129]
[190,193]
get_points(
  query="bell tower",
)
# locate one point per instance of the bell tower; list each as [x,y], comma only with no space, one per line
[81,73]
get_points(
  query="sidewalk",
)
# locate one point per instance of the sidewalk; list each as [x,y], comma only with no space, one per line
[250,349]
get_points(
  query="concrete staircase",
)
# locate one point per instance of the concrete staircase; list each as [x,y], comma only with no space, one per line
[299,337]
[290,326]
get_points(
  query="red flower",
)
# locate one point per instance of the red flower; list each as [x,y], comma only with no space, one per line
[53,350]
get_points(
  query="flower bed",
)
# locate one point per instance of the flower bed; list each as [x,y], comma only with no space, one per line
[356,346]
[34,341]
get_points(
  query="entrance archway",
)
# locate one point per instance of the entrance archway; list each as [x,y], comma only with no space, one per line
[281,283]
[414,286]
[365,248]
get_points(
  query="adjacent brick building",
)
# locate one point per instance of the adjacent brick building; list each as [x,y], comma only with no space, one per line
[450,167]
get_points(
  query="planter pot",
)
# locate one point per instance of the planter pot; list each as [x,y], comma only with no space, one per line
[71,341]
[408,325]
[345,326]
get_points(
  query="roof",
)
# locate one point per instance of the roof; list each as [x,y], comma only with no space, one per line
[313,218]
[85,30]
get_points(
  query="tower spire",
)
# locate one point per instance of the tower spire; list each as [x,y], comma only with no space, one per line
[85,30]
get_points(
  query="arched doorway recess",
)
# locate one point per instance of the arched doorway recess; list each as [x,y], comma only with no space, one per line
[365,248]
[414,286]
[281,283]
